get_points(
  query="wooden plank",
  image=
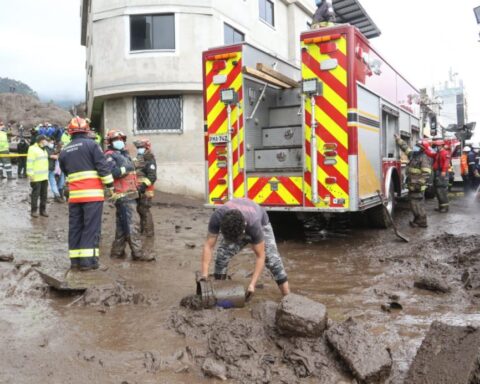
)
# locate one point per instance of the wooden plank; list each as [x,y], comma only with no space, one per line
[279,76]
[264,77]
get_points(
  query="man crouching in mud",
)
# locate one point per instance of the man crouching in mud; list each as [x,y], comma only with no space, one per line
[242,222]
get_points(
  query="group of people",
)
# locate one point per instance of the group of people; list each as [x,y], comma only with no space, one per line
[470,168]
[423,160]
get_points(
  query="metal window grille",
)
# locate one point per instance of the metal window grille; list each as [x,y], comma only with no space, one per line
[158,114]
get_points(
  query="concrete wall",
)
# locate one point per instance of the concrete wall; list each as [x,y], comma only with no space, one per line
[115,75]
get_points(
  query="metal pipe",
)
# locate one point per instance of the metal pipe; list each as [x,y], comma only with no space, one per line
[230,153]
[313,152]
[258,103]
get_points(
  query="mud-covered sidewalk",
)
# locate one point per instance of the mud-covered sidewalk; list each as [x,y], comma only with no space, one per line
[134,331]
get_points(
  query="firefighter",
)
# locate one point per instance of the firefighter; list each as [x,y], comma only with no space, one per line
[87,171]
[22,149]
[5,164]
[418,171]
[126,194]
[242,222]
[464,169]
[324,15]
[146,168]
[37,172]
[441,165]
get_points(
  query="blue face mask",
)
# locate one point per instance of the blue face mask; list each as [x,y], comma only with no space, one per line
[118,145]
[141,151]
[318,2]
[416,148]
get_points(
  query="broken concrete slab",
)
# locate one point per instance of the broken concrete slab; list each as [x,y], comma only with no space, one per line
[432,283]
[299,316]
[365,355]
[448,355]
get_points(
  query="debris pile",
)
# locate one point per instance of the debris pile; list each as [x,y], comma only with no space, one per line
[21,279]
[110,295]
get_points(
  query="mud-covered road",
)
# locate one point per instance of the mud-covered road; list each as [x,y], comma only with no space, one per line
[366,274]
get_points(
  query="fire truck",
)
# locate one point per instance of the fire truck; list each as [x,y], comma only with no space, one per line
[315,138]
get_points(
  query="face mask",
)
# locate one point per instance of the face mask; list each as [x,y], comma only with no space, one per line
[50,145]
[318,2]
[118,145]
[416,148]
[141,151]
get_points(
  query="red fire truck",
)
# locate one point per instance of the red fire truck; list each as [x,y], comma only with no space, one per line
[323,142]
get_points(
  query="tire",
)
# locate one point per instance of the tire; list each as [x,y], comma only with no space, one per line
[377,216]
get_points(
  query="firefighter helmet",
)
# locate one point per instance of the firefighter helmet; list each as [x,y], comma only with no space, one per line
[467,149]
[78,125]
[115,134]
[422,143]
[143,142]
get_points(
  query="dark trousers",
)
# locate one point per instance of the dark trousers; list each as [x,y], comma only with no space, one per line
[441,189]
[146,220]
[417,206]
[84,229]
[127,230]
[39,191]
[22,167]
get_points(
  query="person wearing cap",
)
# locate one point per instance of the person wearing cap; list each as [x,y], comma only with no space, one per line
[324,15]
[418,171]
[441,165]
[37,172]
[464,169]
[5,164]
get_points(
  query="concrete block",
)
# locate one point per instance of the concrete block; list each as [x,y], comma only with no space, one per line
[365,355]
[299,316]
[448,355]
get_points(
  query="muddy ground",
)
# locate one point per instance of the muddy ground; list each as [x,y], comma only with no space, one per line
[139,334]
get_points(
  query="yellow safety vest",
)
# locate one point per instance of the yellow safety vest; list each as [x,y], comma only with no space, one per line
[37,163]
[3,142]
[66,138]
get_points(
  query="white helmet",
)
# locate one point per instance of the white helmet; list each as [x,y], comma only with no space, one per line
[467,149]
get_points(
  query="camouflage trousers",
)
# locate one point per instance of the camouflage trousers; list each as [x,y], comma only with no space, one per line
[127,230]
[273,262]
[417,206]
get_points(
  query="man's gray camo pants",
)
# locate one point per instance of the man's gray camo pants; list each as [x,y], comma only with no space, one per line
[273,262]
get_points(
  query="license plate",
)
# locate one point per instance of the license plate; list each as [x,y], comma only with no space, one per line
[218,139]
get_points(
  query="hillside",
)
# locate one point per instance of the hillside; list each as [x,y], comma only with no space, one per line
[14,86]
[29,111]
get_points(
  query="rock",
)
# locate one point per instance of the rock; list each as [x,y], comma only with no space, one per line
[448,355]
[7,258]
[213,368]
[365,355]
[431,283]
[299,316]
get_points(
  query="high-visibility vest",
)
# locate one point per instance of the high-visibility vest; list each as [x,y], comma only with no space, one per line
[98,138]
[37,163]
[66,138]
[3,141]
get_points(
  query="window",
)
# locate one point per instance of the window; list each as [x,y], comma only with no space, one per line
[267,12]
[158,114]
[152,32]
[231,35]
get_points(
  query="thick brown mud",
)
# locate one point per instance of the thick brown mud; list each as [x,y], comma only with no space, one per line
[140,334]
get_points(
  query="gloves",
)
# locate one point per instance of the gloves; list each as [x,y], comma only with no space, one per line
[142,188]
[109,192]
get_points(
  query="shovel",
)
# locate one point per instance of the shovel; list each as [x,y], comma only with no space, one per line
[395,229]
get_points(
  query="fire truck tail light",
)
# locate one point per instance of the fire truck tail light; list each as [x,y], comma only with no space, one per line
[329,146]
[331,180]
[222,181]
[330,162]
[331,154]
[219,65]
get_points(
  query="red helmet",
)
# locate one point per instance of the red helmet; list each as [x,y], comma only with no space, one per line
[114,134]
[78,125]
[143,142]
[423,143]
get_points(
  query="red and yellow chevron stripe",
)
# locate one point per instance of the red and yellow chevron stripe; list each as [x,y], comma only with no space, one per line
[276,191]
[331,114]
[217,123]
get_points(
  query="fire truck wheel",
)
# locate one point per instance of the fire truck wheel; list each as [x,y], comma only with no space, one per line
[377,216]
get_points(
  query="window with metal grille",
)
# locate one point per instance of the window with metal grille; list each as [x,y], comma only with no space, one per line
[158,114]
[232,35]
[149,32]
[267,11]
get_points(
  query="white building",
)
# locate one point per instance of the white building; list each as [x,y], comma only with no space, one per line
[144,70]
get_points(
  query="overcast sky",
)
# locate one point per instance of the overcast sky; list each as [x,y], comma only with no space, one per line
[40,43]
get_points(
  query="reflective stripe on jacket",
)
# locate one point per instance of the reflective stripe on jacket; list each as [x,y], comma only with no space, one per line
[4,141]
[37,163]
[86,168]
